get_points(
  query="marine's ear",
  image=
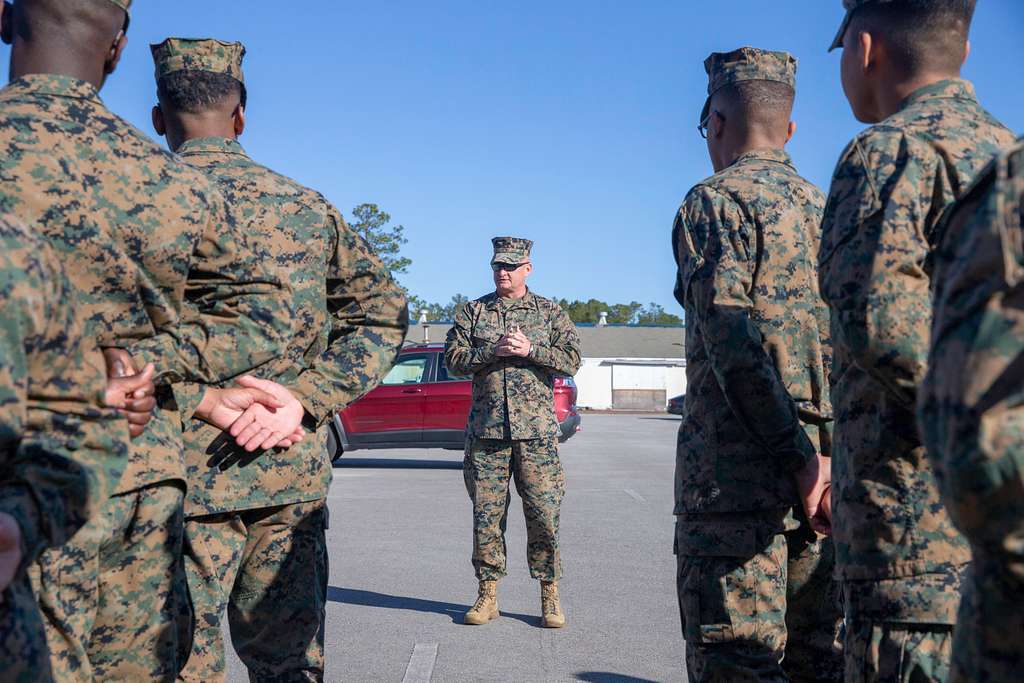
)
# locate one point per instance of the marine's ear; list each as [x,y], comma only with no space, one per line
[116,50]
[159,125]
[238,116]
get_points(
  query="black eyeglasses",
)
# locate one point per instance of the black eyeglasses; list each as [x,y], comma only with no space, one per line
[702,127]
[507,267]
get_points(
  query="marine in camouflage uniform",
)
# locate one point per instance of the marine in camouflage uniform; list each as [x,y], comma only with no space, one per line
[255,522]
[756,596]
[899,557]
[511,430]
[160,268]
[61,453]
[969,409]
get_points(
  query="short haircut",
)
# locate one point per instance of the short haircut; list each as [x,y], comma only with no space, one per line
[41,19]
[766,104]
[920,34]
[194,92]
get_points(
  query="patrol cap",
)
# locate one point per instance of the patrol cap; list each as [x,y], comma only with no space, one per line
[198,54]
[852,6]
[513,250]
[747,64]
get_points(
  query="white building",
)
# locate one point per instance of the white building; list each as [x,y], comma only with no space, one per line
[625,367]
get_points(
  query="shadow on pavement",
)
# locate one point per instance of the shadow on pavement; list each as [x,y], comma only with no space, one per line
[399,463]
[670,418]
[352,596]
[608,677]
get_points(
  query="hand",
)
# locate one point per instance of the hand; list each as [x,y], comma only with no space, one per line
[119,363]
[223,407]
[10,550]
[265,427]
[813,483]
[134,397]
[513,344]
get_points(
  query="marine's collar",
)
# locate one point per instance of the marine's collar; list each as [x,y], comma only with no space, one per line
[54,84]
[211,145]
[527,300]
[949,89]
[778,155]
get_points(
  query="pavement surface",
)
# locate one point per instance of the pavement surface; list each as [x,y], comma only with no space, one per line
[401,578]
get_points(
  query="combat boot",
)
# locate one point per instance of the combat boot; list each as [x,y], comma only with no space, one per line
[486,607]
[549,605]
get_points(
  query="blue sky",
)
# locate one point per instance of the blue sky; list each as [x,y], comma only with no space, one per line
[569,122]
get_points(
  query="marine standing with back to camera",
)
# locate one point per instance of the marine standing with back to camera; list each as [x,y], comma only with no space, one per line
[754,585]
[513,342]
[256,522]
[898,555]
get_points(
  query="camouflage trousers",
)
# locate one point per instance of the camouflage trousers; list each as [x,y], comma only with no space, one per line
[757,601]
[540,482]
[988,646]
[24,657]
[114,598]
[900,630]
[268,569]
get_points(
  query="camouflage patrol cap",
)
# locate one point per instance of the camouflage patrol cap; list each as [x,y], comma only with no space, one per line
[511,250]
[198,54]
[852,6]
[747,64]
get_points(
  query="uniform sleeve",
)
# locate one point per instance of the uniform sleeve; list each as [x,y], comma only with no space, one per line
[62,453]
[562,353]
[235,314]
[719,289]
[460,354]
[871,265]
[369,319]
[971,404]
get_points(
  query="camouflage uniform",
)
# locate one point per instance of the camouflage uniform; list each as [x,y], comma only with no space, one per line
[255,541]
[897,553]
[61,453]
[754,581]
[970,412]
[161,269]
[512,430]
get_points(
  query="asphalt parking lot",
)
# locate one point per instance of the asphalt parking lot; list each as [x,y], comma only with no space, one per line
[400,543]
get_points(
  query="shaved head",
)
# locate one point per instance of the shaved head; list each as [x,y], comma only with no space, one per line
[763,105]
[75,20]
[920,36]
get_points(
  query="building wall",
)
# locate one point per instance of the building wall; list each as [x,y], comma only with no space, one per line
[600,380]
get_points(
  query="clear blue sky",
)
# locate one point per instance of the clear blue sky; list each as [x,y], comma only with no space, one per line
[568,122]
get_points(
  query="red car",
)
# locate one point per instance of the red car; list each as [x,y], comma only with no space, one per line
[420,405]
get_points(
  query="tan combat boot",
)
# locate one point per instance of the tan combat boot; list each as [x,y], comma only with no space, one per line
[549,605]
[486,607]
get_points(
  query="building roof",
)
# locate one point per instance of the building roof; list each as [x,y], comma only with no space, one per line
[598,341]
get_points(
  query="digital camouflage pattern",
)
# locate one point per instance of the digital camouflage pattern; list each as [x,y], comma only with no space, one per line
[268,569]
[969,410]
[158,266]
[348,322]
[756,599]
[754,585]
[757,346]
[61,453]
[540,481]
[113,600]
[148,244]
[207,54]
[746,64]
[897,653]
[513,398]
[511,250]
[889,189]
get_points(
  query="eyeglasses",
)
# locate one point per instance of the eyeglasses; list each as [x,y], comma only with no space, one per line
[507,267]
[702,127]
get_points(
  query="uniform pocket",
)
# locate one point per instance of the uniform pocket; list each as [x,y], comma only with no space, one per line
[717,587]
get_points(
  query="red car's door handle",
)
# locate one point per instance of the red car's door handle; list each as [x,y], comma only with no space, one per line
[412,391]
